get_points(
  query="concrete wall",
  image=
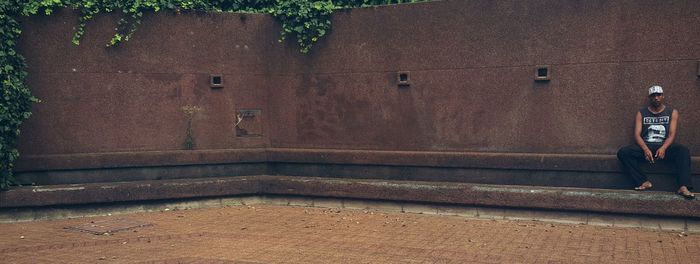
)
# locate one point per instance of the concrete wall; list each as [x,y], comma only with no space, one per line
[472,67]
[129,98]
[471,64]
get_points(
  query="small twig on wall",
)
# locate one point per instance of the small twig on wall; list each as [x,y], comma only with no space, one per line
[190,111]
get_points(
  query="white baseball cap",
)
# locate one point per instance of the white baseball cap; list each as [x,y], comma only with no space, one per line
[655,89]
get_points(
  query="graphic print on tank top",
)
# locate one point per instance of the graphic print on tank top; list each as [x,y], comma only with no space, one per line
[656,133]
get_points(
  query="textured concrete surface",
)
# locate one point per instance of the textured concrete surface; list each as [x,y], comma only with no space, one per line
[472,69]
[140,159]
[282,234]
[13,215]
[471,63]
[391,193]
[562,170]
[654,203]
[473,112]
[129,99]
[70,194]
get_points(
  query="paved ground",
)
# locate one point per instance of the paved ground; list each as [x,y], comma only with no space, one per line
[285,234]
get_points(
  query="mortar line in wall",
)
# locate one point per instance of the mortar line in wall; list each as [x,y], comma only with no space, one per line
[136,73]
[480,67]
[491,67]
[385,71]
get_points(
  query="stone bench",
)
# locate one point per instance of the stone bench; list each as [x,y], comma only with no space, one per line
[556,170]
[446,193]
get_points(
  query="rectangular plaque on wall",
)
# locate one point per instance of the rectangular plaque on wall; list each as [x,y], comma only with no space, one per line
[248,123]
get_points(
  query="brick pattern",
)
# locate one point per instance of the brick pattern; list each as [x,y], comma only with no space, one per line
[109,226]
[249,234]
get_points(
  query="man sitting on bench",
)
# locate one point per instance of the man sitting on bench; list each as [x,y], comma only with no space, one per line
[654,132]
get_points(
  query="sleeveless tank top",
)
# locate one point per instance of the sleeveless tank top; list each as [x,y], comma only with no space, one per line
[655,127]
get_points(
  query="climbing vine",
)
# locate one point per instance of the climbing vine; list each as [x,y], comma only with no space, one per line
[15,98]
[305,20]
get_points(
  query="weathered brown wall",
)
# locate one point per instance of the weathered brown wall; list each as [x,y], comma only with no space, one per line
[129,98]
[471,67]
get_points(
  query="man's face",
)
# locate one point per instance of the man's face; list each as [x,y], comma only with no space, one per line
[656,99]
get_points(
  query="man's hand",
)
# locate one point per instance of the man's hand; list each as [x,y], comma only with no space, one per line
[661,153]
[648,155]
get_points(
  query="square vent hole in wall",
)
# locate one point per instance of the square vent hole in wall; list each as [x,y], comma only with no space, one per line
[248,123]
[542,73]
[216,81]
[403,79]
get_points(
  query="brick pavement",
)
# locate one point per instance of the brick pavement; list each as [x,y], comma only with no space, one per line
[286,234]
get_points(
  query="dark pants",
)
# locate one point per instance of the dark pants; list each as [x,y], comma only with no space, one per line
[631,155]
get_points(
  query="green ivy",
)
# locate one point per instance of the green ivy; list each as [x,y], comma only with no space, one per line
[15,98]
[306,20]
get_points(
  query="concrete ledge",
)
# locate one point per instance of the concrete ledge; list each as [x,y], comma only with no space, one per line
[566,199]
[138,159]
[560,199]
[12,215]
[485,160]
[127,174]
[555,170]
[127,191]
[526,161]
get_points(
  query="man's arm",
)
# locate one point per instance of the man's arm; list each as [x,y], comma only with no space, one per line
[661,153]
[638,138]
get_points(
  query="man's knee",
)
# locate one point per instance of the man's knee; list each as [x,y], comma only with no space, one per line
[683,150]
[623,152]
[680,150]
